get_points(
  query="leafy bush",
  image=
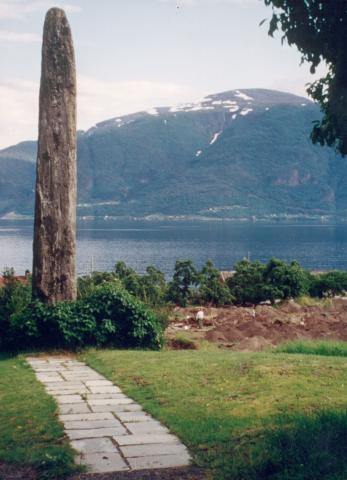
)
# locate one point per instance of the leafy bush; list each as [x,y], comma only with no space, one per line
[212,289]
[255,282]
[150,288]
[328,284]
[247,283]
[106,315]
[87,283]
[14,299]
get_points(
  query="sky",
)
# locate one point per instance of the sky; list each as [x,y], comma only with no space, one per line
[136,54]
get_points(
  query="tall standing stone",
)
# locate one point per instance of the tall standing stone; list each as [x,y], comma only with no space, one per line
[54,249]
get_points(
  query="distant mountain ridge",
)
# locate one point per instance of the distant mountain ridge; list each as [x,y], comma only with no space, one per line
[241,155]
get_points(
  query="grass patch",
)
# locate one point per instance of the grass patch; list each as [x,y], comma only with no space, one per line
[314,347]
[244,416]
[29,431]
[306,301]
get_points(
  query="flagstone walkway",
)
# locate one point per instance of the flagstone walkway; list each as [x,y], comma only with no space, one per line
[109,430]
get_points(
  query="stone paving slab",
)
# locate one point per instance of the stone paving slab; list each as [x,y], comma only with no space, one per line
[74,408]
[104,462]
[108,430]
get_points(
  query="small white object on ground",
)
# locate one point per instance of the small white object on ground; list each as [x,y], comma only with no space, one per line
[200,318]
[109,430]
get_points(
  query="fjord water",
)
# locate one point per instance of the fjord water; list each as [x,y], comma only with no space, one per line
[101,244]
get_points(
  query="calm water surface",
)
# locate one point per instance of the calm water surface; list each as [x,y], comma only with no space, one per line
[102,244]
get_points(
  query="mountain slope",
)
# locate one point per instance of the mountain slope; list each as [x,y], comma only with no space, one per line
[237,154]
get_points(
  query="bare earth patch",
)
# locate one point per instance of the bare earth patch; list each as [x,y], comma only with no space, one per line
[190,473]
[15,472]
[248,329]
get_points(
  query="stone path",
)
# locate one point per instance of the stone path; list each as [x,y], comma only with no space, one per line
[109,430]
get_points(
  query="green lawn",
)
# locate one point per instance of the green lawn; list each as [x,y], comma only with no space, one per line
[260,416]
[246,416]
[29,431]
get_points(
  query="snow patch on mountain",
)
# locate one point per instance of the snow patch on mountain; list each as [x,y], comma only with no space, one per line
[243,95]
[152,111]
[246,111]
[215,138]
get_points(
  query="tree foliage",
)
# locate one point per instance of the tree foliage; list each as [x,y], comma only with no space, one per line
[329,284]
[212,289]
[318,28]
[255,282]
[184,278]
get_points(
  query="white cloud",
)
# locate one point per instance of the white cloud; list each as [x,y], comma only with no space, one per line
[19,104]
[97,100]
[21,37]
[18,9]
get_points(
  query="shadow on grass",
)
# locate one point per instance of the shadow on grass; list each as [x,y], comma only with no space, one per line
[298,448]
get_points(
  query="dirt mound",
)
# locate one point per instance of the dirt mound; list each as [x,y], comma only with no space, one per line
[251,329]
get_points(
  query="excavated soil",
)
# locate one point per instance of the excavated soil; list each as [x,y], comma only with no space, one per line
[248,329]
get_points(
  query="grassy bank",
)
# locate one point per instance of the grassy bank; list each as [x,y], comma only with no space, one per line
[29,432]
[328,348]
[245,416]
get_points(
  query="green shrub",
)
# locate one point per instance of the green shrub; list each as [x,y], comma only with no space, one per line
[14,299]
[150,288]
[87,283]
[106,316]
[255,282]
[212,289]
[328,284]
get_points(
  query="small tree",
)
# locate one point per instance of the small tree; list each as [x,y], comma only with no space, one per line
[247,284]
[153,286]
[212,289]
[184,278]
[329,284]
[130,279]
[284,280]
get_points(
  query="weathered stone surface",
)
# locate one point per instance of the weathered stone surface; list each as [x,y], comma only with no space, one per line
[83,424]
[61,399]
[126,407]
[74,408]
[103,389]
[120,400]
[159,461]
[94,445]
[104,462]
[75,417]
[95,432]
[54,249]
[98,383]
[153,449]
[134,417]
[146,427]
[142,439]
